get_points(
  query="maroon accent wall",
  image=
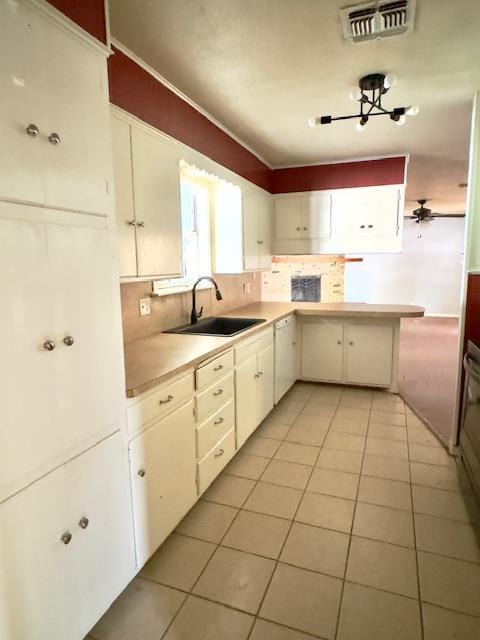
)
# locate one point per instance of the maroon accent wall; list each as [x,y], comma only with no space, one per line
[366,173]
[135,90]
[88,14]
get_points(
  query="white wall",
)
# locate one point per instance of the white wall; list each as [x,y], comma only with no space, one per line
[428,272]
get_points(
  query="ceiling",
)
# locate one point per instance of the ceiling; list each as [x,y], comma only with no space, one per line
[263,67]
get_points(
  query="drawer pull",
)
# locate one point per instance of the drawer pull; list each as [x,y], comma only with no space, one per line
[141,473]
[68,340]
[32,130]
[218,393]
[66,537]
[220,453]
[219,421]
[83,522]
[169,399]
[219,368]
[49,345]
[257,375]
[260,373]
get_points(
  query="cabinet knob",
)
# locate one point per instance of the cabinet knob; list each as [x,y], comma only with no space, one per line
[362,226]
[294,344]
[219,368]
[370,226]
[339,342]
[54,139]
[305,228]
[169,398]
[220,453]
[141,224]
[298,229]
[49,345]
[259,241]
[131,223]
[66,537]
[218,393]
[351,344]
[260,373]
[32,130]
[68,340]
[141,473]
[83,522]
[219,421]
[257,375]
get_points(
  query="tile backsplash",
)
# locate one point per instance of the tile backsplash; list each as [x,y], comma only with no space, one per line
[174,310]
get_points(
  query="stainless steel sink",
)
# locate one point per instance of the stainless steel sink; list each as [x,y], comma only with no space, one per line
[217,326]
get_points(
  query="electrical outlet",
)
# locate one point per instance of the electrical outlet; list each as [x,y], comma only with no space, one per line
[144,305]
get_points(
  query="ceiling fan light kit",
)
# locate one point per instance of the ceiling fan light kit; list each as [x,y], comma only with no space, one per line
[371,88]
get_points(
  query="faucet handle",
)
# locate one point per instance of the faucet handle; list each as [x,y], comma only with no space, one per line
[199,313]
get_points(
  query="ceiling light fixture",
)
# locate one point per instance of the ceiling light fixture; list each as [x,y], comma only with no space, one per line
[369,94]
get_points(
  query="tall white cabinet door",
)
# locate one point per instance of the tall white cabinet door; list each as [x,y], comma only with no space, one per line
[368,354]
[156,184]
[382,211]
[288,217]
[163,476]
[322,350]
[265,230]
[100,517]
[246,399]
[89,380]
[124,206]
[348,213]
[316,215]
[251,258]
[37,588]
[285,357]
[265,382]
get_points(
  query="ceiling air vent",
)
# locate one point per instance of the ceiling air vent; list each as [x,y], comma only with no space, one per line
[373,20]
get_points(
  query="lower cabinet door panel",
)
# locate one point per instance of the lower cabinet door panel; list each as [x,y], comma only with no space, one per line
[215,460]
[246,399]
[265,370]
[368,354]
[322,351]
[163,476]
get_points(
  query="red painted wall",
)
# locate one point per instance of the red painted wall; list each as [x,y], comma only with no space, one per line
[135,90]
[88,14]
[368,173]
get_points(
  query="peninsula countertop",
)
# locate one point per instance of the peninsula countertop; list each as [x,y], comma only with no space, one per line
[153,360]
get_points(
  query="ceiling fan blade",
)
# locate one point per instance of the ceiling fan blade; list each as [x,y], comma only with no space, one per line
[448,215]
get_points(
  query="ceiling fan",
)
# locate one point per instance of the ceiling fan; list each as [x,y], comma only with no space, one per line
[423,214]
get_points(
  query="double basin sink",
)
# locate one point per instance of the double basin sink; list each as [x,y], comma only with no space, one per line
[217,326]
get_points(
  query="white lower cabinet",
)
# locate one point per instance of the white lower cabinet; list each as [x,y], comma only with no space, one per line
[163,477]
[245,397]
[68,547]
[285,355]
[369,354]
[322,350]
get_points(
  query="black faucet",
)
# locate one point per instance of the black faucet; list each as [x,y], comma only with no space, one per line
[194,316]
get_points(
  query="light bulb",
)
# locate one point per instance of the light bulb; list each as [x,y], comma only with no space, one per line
[390,80]
[401,121]
[355,94]
[413,110]
[313,122]
[360,127]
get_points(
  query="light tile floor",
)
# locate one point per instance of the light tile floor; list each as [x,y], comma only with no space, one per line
[342,518]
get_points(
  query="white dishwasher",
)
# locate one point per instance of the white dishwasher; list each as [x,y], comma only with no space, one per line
[285,355]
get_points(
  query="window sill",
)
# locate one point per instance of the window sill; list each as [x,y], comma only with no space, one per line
[160,291]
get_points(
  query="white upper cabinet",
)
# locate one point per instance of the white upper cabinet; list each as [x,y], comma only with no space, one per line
[316,217]
[53,115]
[302,222]
[257,230]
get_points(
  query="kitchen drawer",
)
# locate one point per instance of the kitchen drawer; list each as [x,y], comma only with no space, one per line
[253,345]
[210,400]
[159,403]
[210,466]
[213,429]
[208,373]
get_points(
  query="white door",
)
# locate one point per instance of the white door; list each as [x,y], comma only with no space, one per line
[348,213]
[251,232]
[265,230]
[156,187]
[382,208]
[285,357]
[246,399]
[316,215]
[163,478]
[265,382]
[37,582]
[322,350]
[368,354]
[124,206]
[288,217]
[100,517]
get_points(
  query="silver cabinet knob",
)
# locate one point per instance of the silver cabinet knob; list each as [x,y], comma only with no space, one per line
[219,421]
[32,130]
[66,537]
[169,398]
[339,342]
[140,224]
[68,340]
[351,344]
[131,223]
[141,473]
[370,226]
[362,226]
[54,139]
[259,241]
[260,373]
[83,522]
[49,345]
[257,375]
[298,229]
[219,368]
[305,228]
[294,344]
[220,453]
[218,393]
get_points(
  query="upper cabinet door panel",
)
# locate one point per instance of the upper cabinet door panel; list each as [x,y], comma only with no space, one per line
[348,213]
[124,207]
[156,183]
[288,217]
[383,210]
[265,230]
[250,232]
[317,215]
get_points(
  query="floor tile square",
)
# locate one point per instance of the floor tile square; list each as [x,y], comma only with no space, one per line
[444,504]
[341,460]
[301,453]
[235,578]
[326,511]
[413,420]
[287,414]
[143,611]
[387,417]
[368,614]
[382,566]
[440,624]
[430,455]
[207,521]
[276,431]
[303,600]
[422,436]
[360,416]
[434,476]
[316,549]
[383,401]
[344,442]
[262,447]
[316,407]
[229,490]
[344,425]
[312,422]
[178,562]
[388,432]
[274,500]
[448,537]
[246,466]
[388,448]
[306,435]
[287,474]
[334,483]
[450,583]
[200,618]
[257,533]
[385,467]
[386,493]
[264,630]
[356,399]
[384,524]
